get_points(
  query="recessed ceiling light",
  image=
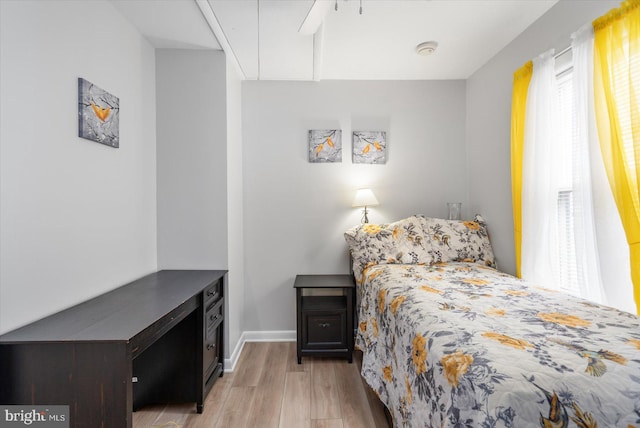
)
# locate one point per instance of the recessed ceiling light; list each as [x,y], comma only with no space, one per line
[426,48]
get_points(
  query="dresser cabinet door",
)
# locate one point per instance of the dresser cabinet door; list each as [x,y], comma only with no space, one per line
[211,353]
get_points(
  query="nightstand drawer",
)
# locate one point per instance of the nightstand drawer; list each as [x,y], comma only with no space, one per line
[324,330]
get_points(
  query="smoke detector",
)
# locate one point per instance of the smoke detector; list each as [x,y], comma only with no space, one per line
[426,48]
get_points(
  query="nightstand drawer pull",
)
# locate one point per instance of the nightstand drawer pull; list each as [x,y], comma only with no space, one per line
[210,347]
[214,318]
[324,325]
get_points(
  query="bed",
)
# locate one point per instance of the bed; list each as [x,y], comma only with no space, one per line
[449,341]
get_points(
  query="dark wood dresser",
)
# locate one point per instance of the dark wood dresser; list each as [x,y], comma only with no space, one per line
[157,339]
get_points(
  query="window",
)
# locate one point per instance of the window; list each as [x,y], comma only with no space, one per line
[571,235]
[577,272]
[567,267]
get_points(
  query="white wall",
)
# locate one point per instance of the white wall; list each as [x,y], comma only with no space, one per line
[489,117]
[192,159]
[296,212]
[235,193]
[77,218]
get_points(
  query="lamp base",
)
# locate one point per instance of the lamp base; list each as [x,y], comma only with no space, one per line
[365,217]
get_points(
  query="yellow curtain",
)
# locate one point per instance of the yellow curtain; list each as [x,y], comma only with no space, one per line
[617,91]
[521,79]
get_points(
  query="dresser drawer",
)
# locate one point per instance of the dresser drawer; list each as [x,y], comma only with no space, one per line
[212,293]
[213,317]
[324,330]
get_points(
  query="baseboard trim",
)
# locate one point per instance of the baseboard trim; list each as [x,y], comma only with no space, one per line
[270,336]
[230,363]
[256,336]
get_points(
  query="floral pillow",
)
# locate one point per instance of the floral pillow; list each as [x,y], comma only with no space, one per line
[399,242]
[457,241]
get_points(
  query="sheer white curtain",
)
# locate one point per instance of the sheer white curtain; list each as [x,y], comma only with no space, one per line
[539,262]
[585,139]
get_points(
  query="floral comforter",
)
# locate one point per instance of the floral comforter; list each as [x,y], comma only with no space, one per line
[463,345]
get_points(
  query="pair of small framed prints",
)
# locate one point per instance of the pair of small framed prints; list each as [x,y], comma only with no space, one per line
[367,146]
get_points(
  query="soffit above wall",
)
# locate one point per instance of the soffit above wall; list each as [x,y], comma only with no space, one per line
[169,23]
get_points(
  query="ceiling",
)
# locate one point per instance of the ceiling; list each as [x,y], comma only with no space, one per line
[262,37]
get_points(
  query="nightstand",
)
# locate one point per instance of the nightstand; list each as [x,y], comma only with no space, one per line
[324,318]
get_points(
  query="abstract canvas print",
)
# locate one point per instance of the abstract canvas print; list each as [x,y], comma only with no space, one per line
[369,147]
[325,145]
[98,114]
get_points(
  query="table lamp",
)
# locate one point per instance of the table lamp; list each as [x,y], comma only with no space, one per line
[365,198]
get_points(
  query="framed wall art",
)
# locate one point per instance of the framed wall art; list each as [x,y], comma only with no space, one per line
[98,114]
[369,147]
[325,145]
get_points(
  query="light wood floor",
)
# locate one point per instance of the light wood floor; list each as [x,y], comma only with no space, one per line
[269,389]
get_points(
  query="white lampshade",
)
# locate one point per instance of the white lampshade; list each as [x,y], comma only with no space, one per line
[364,198]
